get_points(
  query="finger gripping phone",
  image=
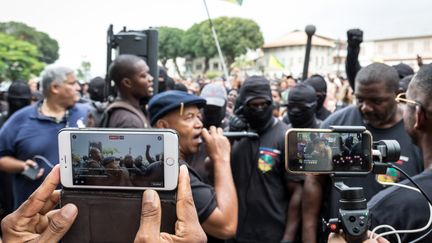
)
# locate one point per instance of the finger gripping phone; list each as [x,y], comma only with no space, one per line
[126,159]
[325,151]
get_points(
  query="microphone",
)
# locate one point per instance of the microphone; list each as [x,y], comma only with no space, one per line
[240,134]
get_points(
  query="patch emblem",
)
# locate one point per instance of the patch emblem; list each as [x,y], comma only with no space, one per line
[393,175]
[267,158]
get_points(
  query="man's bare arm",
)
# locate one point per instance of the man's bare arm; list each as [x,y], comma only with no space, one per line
[222,222]
[294,211]
[311,205]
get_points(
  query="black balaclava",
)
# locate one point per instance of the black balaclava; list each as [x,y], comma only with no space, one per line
[256,87]
[302,106]
[213,115]
[18,96]
[319,84]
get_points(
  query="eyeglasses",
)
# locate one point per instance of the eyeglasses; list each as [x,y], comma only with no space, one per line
[401,99]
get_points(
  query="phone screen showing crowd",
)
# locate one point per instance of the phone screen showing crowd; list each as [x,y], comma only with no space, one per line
[117,160]
[329,152]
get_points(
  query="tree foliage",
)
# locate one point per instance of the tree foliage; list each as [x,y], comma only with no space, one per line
[84,71]
[48,47]
[170,43]
[235,35]
[198,42]
[18,59]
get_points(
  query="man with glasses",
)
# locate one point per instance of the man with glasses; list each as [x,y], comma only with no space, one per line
[376,87]
[411,207]
[269,198]
[33,130]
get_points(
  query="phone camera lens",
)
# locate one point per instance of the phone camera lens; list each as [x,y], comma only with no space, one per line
[73,136]
[159,138]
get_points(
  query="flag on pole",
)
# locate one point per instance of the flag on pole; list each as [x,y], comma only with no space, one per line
[239,2]
[276,63]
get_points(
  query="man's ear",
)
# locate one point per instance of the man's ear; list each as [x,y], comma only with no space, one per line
[54,88]
[420,119]
[127,83]
[161,123]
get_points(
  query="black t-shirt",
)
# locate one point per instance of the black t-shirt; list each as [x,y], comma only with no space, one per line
[261,182]
[203,195]
[410,159]
[403,208]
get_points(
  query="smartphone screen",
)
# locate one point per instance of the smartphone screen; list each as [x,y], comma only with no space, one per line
[117,159]
[323,151]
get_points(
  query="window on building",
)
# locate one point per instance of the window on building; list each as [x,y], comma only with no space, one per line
[410,46]
[198,66]
[395,48]
[380,48]
[215,66]
[427,45]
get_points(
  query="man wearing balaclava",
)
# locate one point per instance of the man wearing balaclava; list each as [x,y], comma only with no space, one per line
[319,84]
[215,108]
[302,103]
[266,192]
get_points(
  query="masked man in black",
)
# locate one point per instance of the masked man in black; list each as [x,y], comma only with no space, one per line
[266,192]
[302,104]
[320,86]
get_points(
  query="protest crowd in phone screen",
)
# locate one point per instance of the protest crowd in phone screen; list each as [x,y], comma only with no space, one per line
[312,151]
[124,160]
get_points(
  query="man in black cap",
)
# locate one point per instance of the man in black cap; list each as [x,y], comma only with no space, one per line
[18,96]
[266,192]
[319,84]
[216,207]
[134,82]
[302,103]
[213,114]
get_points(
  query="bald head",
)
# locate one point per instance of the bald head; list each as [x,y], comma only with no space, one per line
[379,73]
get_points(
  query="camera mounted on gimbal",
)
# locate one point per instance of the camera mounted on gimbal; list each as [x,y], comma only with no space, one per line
[143,43]
[353,212]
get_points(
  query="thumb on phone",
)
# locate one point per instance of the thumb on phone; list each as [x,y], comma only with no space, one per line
[59,224]
[149,229]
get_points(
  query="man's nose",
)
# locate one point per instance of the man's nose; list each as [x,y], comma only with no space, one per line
[366,107]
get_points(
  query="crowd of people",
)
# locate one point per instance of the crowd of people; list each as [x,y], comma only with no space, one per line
[237,189]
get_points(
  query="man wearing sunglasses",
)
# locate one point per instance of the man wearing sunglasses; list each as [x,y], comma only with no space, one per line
[376,87]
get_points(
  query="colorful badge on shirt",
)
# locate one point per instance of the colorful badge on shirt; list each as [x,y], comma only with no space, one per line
[393,175]
[267,159]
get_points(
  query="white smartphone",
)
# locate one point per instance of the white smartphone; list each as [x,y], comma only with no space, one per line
[127,159]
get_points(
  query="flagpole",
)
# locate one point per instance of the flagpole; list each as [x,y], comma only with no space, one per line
[222,60]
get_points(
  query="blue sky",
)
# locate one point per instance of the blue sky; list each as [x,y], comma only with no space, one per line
[80,26]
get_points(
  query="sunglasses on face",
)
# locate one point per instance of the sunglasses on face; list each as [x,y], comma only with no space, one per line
[402,99]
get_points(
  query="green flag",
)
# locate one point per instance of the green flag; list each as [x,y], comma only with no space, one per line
[239,2]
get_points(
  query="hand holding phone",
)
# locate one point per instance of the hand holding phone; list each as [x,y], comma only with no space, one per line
[31,170]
